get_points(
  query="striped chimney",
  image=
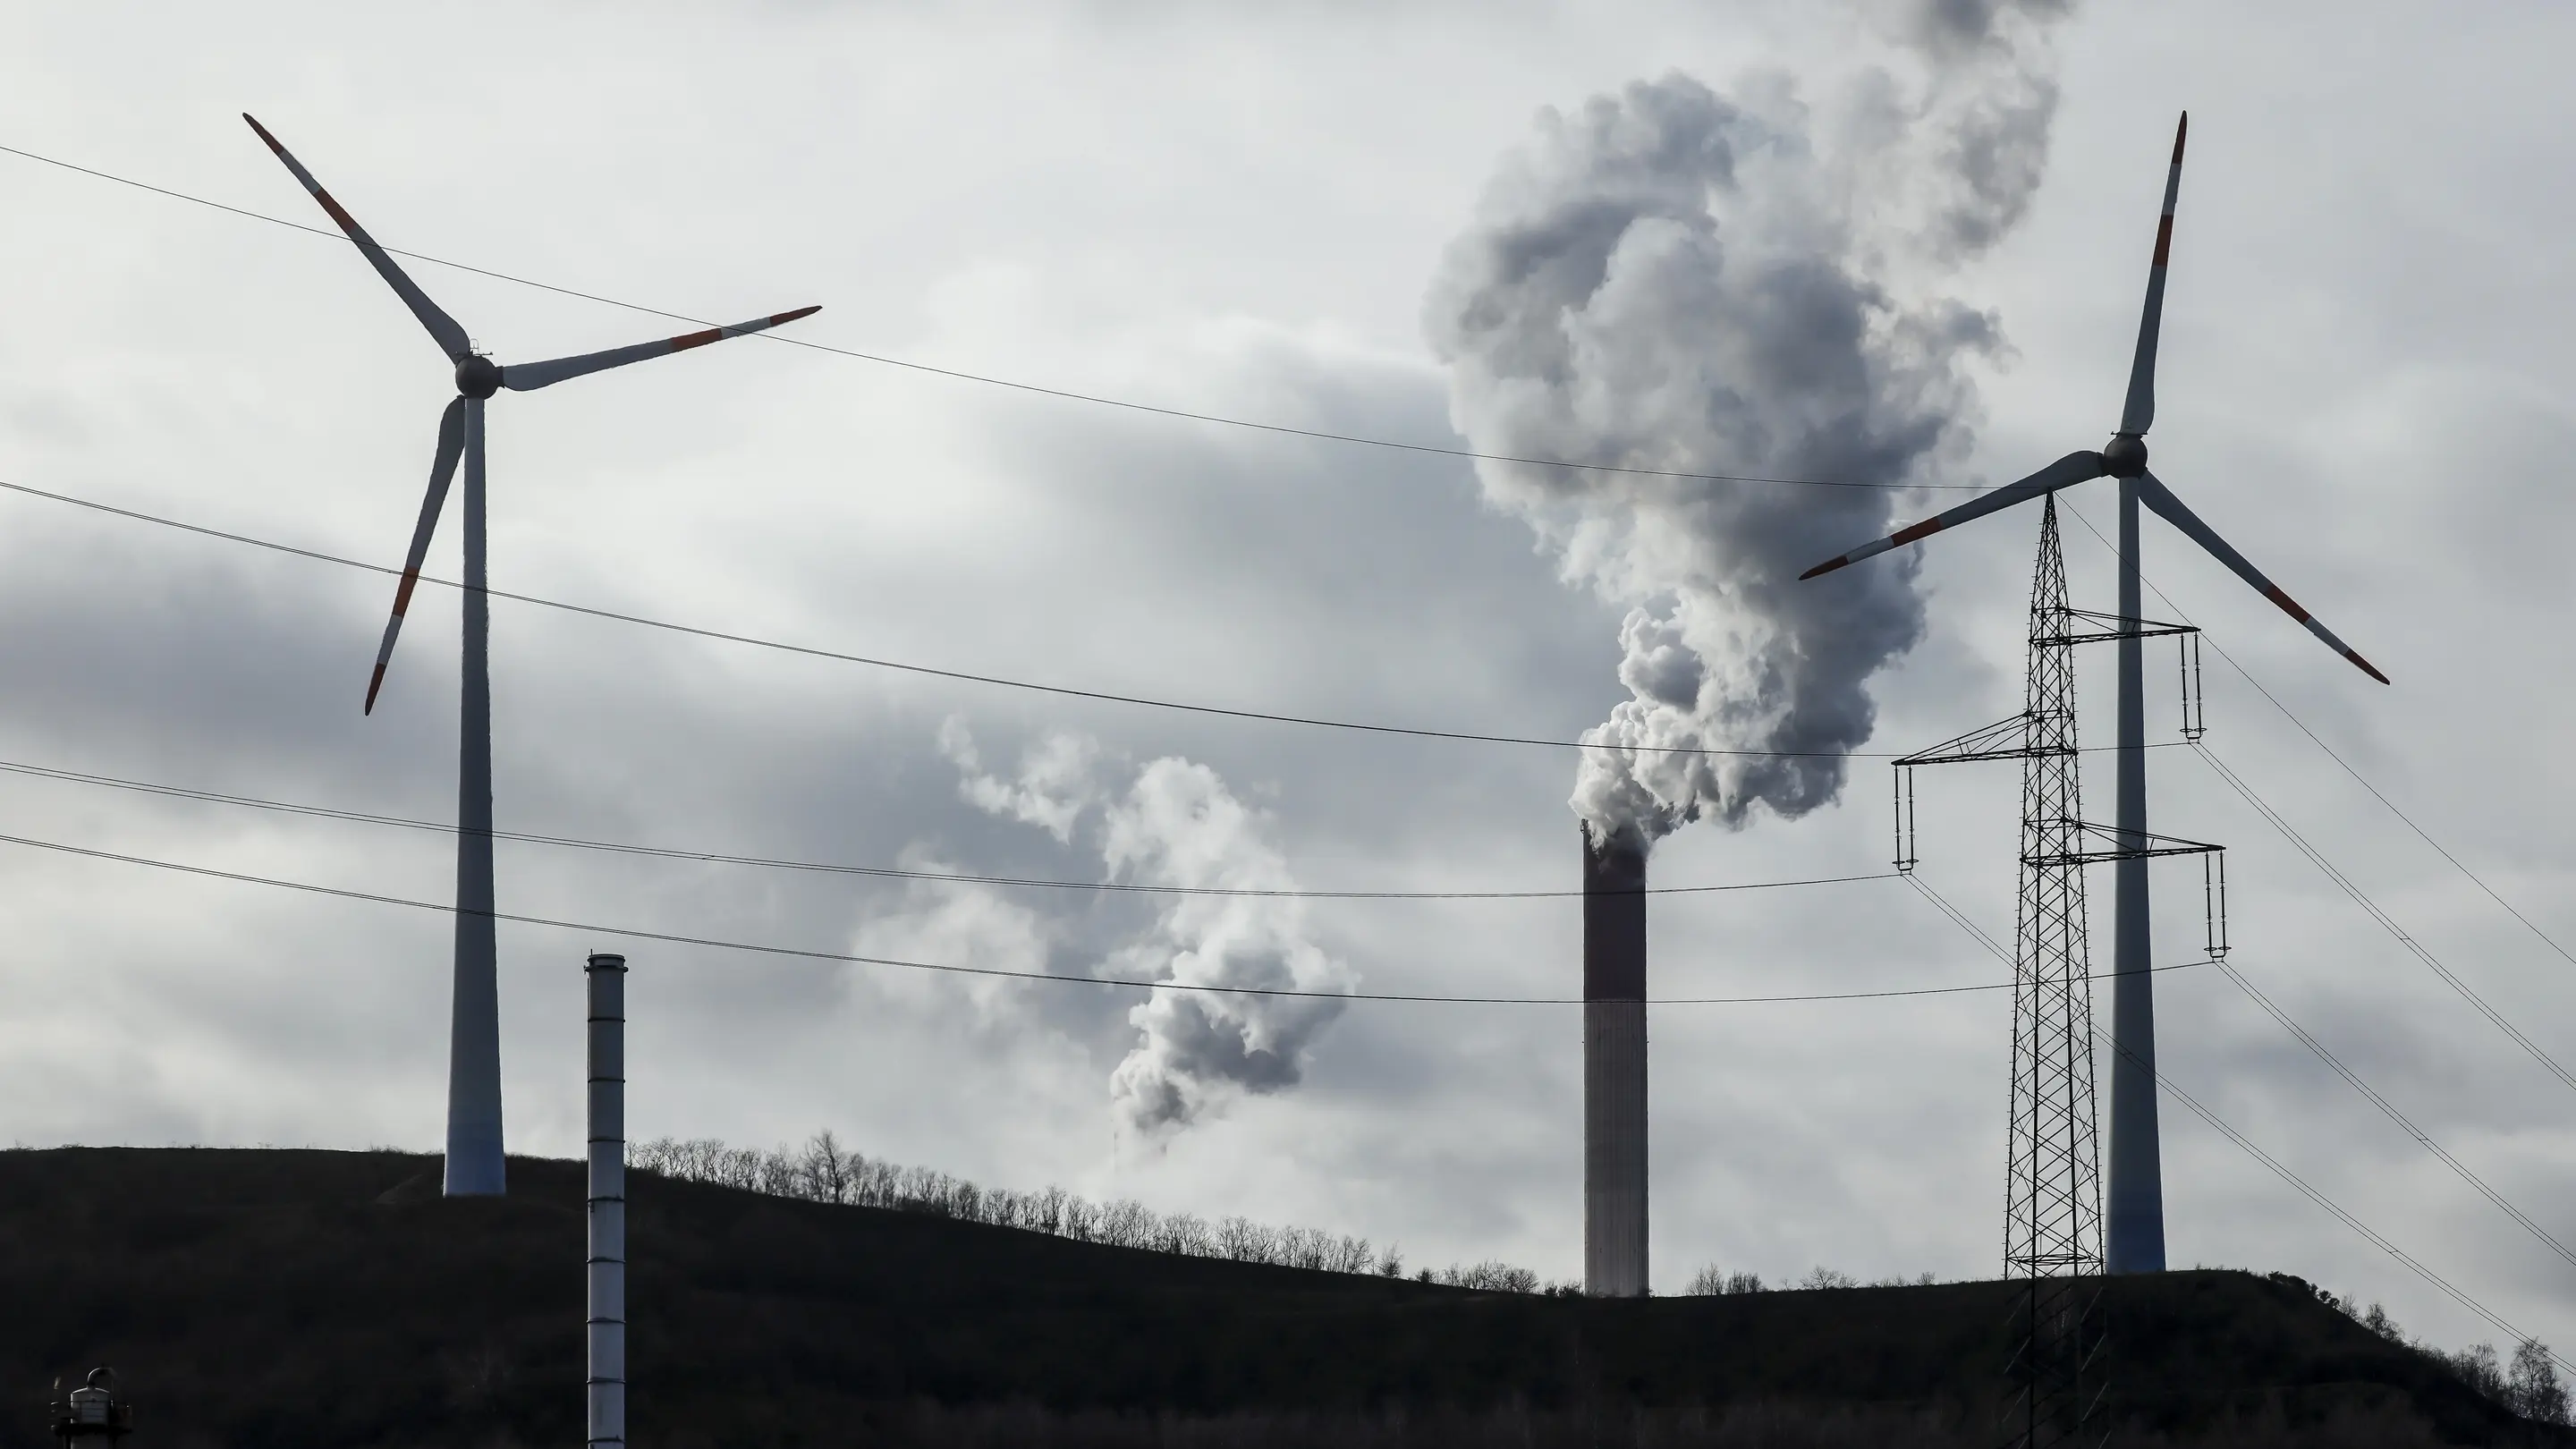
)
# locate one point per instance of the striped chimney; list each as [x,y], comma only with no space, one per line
[607,1326]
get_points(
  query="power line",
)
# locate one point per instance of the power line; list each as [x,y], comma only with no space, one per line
[2273,1164]
[2368,1234]
[2344,882]
[709,857]
[1096,399]
[2389,1110]
[963,676]
[1942,904]
[932,671]
[2359,779]
[2369,1093]
[2385,921]
[995,972]
[2420,834]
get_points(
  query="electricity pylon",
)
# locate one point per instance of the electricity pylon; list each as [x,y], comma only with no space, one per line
[2052,1176]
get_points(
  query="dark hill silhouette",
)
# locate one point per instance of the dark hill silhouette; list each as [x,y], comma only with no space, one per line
[296,1298]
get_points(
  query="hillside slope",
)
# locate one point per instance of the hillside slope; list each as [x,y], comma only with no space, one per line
[293,1299]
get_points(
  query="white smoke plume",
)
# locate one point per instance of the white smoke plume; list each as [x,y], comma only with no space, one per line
[1177,824]
[1054,787]
[1674,279]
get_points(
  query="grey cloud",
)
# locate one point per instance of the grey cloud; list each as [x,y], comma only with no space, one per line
[1950,28]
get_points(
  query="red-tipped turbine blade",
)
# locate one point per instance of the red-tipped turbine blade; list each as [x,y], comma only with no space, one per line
[2160,498]
[2139,413]
[2072,469]
[451,444]
[529,376]
[442,328]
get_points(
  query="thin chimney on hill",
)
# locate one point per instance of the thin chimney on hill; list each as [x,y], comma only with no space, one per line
[1614,1063]
[607,1327]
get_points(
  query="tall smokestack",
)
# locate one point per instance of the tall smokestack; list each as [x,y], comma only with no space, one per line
[1614,1063]
[607,1201]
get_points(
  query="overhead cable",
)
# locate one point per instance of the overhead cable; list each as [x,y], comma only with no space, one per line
[2389,1110]
[2363,781]
[838,656]
[710,857]
[991,972]
[2342,881]
[2385,921]
[1096,399]
[932,671]
[2367,1233]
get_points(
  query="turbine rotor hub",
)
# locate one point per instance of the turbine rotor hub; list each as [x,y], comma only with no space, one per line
[478,376]
[2125,456]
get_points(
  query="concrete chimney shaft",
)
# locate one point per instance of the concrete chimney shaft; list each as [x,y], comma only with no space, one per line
[1614,1065]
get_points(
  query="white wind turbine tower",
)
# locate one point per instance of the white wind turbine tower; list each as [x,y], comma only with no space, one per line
[2134,1226]
[474,1160]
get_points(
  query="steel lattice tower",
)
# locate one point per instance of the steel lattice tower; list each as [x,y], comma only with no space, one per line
[2053,1225]
[2053,1182]
[2052,1175]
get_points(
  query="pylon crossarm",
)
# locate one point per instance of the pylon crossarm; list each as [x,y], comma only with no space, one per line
[2005,739]
[2114,846]
[2021,737]
[2109,626]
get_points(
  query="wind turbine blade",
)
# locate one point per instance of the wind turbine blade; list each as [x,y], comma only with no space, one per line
[529,376]
[451,443]
[2140,412]
[2071,469]
[2157,496]
[442,328]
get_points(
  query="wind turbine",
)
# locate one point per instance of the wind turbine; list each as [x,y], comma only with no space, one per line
[474,1161]
[2134,1231]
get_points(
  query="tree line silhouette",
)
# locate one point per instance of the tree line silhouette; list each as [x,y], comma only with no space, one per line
[823,1170]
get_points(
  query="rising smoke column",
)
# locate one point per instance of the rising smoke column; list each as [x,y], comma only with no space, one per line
[1180,825]
[1673,279]
[1176,823]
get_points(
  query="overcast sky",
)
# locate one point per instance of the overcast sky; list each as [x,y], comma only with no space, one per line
[1242,213]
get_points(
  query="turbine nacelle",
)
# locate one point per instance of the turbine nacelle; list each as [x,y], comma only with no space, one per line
[477,376]
[2125,456]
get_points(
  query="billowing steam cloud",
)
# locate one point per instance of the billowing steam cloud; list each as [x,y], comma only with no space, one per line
[1177,824]
[1673,279]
